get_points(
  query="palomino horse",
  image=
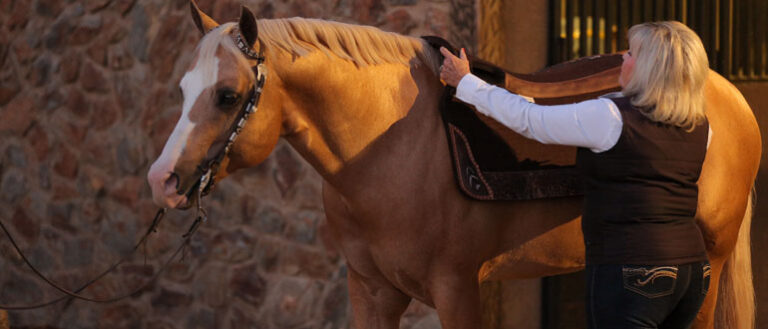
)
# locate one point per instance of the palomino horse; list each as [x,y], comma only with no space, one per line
[360,105]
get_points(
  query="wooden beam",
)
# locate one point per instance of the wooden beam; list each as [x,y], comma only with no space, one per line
[491,45]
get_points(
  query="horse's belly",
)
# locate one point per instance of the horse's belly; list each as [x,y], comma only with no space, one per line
[558,252]
[543,238]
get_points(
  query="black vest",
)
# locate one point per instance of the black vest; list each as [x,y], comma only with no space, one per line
[641,195]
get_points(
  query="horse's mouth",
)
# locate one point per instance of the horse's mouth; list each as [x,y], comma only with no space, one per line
[190,201]
[191,196]
[191,188]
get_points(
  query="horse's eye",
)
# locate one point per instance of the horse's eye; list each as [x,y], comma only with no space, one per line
[227,98]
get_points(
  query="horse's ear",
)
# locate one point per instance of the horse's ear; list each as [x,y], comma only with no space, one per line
[248,27]
[203,22]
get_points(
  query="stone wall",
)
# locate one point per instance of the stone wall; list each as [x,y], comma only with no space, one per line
[88,96]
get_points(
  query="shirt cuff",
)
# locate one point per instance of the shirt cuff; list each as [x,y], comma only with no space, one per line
[467,87]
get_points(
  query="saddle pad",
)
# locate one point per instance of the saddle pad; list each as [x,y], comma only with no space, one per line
[489,166]
[486,168]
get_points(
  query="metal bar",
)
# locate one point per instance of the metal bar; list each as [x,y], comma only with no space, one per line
[596,17]
[637,12]
[733,31]
[648,11]
[758,30]
[714,30]
[753,48]
[600,27]
[762,42]
[702,28]
[659,10]
[568,29]
[671,10]
[594,41]
[726,39]
[584,29]
[612,26]
[722,37]
[737,40]
[624,22]
[745,36]
[690,14]
[555,31]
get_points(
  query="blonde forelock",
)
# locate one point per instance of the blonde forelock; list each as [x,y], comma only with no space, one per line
[220,36]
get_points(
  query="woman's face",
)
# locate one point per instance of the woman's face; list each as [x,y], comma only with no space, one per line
[626,68]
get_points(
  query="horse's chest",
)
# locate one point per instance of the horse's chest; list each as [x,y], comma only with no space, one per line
[412,286]
[391,262]
[383,243]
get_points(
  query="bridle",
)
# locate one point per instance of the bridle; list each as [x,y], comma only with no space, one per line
[208,171]
[203,187]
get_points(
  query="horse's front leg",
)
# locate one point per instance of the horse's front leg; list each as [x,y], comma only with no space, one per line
[376,304]
[457,301]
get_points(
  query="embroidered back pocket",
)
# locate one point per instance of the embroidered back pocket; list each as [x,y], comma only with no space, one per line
[650,281]
[707,271]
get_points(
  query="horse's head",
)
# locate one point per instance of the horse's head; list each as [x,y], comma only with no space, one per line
[216,88]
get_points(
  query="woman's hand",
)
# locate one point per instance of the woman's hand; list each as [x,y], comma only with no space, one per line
[453,68]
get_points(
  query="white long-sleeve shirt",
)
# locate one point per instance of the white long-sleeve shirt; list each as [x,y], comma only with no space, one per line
[594,124]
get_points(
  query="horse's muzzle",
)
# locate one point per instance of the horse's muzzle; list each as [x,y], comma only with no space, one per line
[164,189]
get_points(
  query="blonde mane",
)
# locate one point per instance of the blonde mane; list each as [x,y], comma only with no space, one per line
[362,45]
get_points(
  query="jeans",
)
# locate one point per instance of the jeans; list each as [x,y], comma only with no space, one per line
[634,296]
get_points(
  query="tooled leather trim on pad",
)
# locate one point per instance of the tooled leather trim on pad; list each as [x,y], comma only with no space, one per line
[475,189]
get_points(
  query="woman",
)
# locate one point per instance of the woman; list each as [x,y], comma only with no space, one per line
[641,151]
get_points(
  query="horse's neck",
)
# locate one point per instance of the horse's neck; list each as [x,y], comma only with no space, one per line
[349,122]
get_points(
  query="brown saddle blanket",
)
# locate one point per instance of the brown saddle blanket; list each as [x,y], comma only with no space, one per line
[490,161]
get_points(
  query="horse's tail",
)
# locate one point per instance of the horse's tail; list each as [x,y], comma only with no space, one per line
[736,294]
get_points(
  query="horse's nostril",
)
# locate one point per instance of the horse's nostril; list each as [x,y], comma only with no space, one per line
[172,182]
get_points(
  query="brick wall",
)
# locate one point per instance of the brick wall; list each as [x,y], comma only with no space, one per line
[88,96]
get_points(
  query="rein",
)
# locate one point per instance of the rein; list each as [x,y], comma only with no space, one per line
[203,187]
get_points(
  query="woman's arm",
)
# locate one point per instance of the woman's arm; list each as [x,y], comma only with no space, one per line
[595,124]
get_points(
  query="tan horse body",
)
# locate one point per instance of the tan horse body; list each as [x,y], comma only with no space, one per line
[375,135]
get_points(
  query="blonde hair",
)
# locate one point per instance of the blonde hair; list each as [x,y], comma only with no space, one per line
[671,67]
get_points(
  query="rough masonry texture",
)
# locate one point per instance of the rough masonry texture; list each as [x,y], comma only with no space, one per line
[88,96]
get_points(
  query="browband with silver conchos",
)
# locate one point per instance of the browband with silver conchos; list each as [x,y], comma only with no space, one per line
[243,46]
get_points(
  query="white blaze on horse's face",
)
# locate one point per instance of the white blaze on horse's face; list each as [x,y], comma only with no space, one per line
[214,88]
[202,77]
[162,180]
